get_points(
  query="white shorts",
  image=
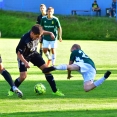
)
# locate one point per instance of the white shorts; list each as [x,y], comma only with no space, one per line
[49,44]
[87,71]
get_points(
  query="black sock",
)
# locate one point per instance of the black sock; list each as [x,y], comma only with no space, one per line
[41,52]
[7,77]
[50,79]
[17,82]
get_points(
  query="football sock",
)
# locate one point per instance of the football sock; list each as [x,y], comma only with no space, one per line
[48,55]
[61,67]
[41,52]
[49,50]
[7,77]
[99,82]
[17,82]
[53,59]
[50,79]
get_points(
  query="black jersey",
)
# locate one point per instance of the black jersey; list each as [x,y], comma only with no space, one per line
[27,46]
[39,19]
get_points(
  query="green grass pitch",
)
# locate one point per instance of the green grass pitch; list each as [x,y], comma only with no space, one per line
[100,102]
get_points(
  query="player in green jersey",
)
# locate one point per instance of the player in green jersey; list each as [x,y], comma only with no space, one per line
[52,24]
[79,61]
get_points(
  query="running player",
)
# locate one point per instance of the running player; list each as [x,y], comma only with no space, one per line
[79,61]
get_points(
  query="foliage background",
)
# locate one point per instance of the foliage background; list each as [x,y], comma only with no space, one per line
[15,24]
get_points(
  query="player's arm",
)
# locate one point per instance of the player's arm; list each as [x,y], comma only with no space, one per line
[21,57]
[49,33]
[69,71]
[19,52]
[60,33]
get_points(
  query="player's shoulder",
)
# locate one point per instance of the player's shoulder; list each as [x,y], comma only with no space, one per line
[43,17]
[54,17]
[26,35]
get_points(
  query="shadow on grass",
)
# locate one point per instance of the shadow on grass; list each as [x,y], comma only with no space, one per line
[67,113]
[71,89]
[38,71]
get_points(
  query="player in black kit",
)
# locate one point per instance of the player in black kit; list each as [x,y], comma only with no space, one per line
[8,78]
[27,52]
[43,13]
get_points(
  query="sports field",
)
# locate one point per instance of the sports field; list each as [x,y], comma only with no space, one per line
[100,102]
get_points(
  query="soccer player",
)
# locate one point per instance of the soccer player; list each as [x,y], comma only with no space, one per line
[52,24]
[81,62]
[43,13]
[8,78]
[26,52]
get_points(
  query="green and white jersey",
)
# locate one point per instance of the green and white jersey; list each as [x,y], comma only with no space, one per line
[51,25]
[80,56]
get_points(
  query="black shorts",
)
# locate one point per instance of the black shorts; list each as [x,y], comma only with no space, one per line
[0,59]
[36,60]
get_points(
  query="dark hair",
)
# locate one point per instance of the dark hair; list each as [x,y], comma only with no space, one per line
[77,46]
[37,29]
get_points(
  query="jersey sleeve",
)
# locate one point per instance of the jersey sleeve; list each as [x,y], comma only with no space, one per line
[58,23]
[21,46]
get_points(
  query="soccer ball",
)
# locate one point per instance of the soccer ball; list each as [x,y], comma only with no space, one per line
[39,89]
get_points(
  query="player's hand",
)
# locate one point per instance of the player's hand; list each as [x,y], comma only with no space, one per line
[68,77]
[52,36]
[60,39]
[27,65]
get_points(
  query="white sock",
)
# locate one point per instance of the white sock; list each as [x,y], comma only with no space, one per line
[48,55]
[53,59]
[61,67]
[99,82]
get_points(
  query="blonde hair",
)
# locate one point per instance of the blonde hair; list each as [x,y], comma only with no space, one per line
[42,5]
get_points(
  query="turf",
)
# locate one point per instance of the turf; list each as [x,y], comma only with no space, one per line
[100,102]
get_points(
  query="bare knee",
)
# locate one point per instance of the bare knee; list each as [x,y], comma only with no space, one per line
[23,76]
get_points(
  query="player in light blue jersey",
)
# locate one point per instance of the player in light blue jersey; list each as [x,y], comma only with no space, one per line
[81,62]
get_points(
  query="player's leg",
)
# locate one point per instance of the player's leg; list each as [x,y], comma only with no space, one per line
[53,45]
[40,47]
[101,80]
[8,78]
[71,67]
[45,50]
[23,73]
[21,78]
[89,75]
[38,61]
